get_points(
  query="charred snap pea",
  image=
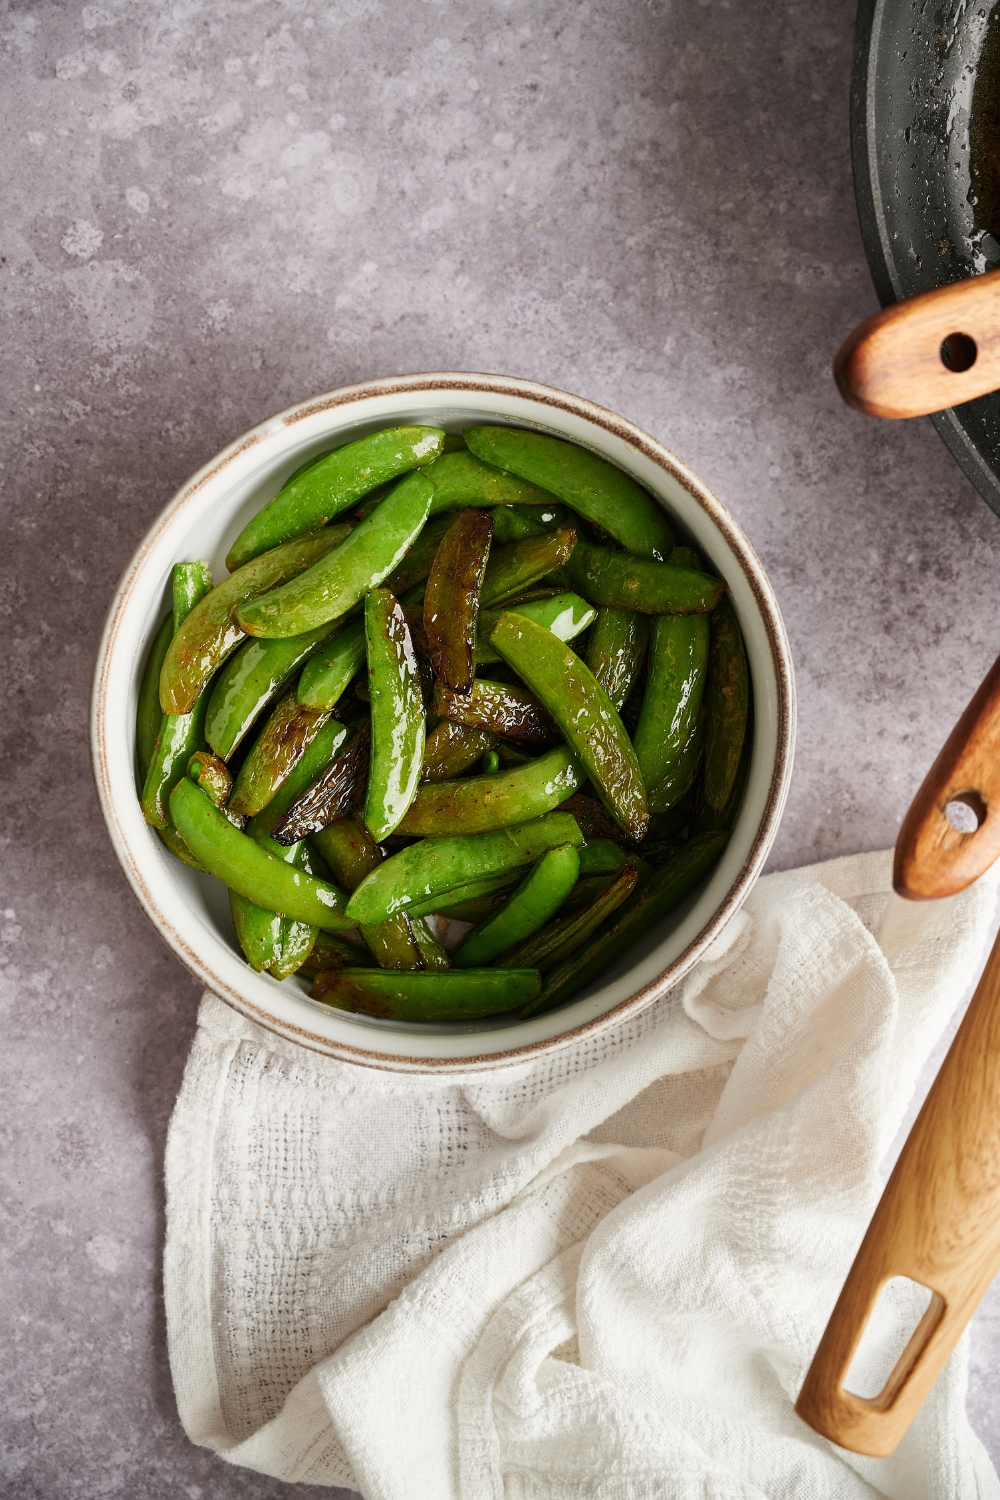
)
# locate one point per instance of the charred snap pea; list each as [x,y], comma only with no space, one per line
[547,949]
[727,706]
[211,633]
[461,479]
[250,680]
[331,952]
[584,712]
[536,900]
[481,804]
[215,779]
[451,599]
[508,711]
[149,714]
[593,817]
[330,796]
[180,734]
[515,568]
[678,658]
[566,615]
[397,714]
[417,563]
[462,995]
[434,867]
[589,485]
[653,900]
[351,853]
[190,583]
[617,646]
[326,676]
[325,486]
[452,748]
[653,588]
[241,863]
[286,736]
[340,580]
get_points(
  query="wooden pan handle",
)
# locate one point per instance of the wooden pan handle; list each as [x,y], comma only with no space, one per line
[925,354]
[933,858]
[938,1222]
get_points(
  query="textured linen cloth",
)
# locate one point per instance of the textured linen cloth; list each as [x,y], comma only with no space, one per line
[602,1274]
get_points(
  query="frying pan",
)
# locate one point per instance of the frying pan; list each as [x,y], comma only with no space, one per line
[925,77]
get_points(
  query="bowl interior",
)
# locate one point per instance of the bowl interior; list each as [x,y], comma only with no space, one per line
[192,911]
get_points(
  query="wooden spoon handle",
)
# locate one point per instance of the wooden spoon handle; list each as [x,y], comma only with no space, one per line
[933,858]
[925,354]
[938,1222]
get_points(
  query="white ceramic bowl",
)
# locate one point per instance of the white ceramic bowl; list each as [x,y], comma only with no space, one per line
[191,911]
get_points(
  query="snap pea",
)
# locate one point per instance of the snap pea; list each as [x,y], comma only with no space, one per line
[491,763]
[241,863]
[654,900]
[251,679]
[330,796]
[589,720]
[325,677]
[149,715]
[215,779]
[593,817]
[683,769]
[432,955]
[454,442]
[481,804]
[398,729]
[547,949]
[602,857]
[653,588]
[452,748]
[351,852]
[566,615]
[177,846]
[319,755]
[325,486]
[461,995]
[477,908]
[461,479]
[508,711]
[434,867]
[510,525]
[331,952]
[189,584]
[686,557]
[727,706]
[616,651]
[417,563]
[536,900]
[591,486]
[678,659]
[474,893]
[451,598]
[514,568]
[340,580]
[211,632]
[288,733]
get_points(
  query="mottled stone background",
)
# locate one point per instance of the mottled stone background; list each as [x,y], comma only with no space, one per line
[214,208]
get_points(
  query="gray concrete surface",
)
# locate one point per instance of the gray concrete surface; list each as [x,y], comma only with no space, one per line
[217,207]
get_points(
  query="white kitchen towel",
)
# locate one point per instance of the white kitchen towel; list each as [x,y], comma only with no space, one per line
[597,1276]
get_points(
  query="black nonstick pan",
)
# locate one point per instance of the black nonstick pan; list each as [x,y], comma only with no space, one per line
[925,144]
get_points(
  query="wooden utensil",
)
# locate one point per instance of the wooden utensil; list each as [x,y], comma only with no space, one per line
[938,1220]
[926,353]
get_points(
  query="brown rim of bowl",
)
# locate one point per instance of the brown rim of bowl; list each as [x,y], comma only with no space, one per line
[619,427]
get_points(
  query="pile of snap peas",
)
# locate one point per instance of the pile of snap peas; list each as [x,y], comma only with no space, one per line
[469,677]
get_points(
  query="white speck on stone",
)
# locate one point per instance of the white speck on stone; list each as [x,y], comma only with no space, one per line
[9,913]
[82,239]
[71,66]
[106,1253]
[234,65]
[337,122]
[137,200]
[103,956]
[37,137]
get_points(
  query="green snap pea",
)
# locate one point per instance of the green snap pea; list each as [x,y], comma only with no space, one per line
[683,768]
[515,568]
[434,867]
[189,584]
[653,588]
[491,763]
[481,804]
[177,846]
[341,579]
[566,615]
[461,995]
[477,908]
[331,952]
[211,632]
[686,557]
[417,563]
[475,894]
[398,728]
[279,747]
[602,857]
[461,479]
[241,863]
[325,486]
[326,676]
[678,660]
[393,943]
[452,748]
[589,720]
[432,955]
[591,486]
[727,707]
[507,710]
[547,949]
[149,715]
[616,651]
[451,598]
[654,900]
[509,525]
[249,682]
[536,900]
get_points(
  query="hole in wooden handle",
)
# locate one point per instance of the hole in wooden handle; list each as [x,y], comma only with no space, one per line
[958,353]
[906,1363]
[966,811]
